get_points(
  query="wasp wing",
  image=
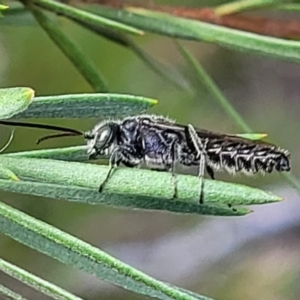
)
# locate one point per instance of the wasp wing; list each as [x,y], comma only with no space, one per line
[213,136]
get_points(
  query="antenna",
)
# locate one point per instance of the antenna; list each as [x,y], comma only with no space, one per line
[54,136]
[8,142]
[66,131]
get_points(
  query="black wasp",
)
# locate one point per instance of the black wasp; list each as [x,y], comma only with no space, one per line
[161,144]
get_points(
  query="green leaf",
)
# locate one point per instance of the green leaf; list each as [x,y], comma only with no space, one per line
[9,294]
[17,15]
[35,282]
[86,106]
[92,196]
[291,7]
[123,40]
[77,153]
[3,7]
[75,13]
[70,250]
[211,86]
[252,136]
[194,294]
[242,5]
[158,67]
[72,52]
[169,25]
[134,187]
[14,100]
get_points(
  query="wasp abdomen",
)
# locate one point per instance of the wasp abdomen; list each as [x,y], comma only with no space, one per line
[247,158]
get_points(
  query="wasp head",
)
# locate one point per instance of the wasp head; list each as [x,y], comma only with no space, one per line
[100,139]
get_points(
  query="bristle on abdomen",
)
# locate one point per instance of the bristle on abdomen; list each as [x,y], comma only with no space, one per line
[247,158]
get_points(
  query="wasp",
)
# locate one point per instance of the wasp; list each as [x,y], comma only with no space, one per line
[162,144]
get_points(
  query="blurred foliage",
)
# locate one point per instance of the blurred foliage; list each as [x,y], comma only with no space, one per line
[264,91]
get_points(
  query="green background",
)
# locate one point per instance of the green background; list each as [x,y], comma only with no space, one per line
[254,257]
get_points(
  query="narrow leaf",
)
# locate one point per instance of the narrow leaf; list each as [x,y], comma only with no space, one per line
[35,282]
[170,74]
[9,294]
[77,153]
[3,7]
[242,5]
[86,106]
[169,25]
[72,52]
[252,136]
[70,250]
[211,86]
[17,15]
[197,296]
[136,184]
[74,13]
[116,37]
[14,100]
[291,7]
[92,196]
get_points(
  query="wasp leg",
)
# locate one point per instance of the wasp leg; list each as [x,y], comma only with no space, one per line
[114,162]
[201,153]
[174,181]
[120,155]
[210,172]
[173,170]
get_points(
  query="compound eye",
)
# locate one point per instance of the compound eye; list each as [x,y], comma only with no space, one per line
[104,137]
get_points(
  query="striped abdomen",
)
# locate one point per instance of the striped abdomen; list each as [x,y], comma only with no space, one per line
[247,157]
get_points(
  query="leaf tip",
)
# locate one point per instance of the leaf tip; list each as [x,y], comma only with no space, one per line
[3,7]
[14,177]
[153,102]
[29,93]
[279,199]
[242,211]
[140,32]
[273,198]
[133,9]
[252,136]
